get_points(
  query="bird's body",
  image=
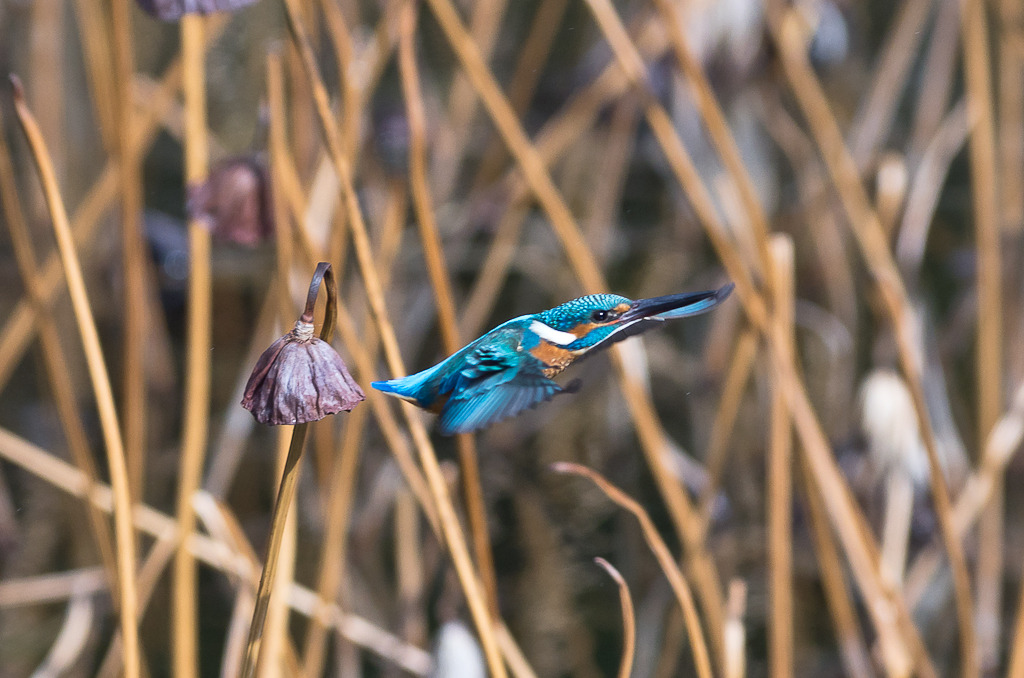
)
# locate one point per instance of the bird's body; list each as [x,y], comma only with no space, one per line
[510,368]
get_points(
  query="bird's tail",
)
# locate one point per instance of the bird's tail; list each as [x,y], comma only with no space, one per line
[409,388]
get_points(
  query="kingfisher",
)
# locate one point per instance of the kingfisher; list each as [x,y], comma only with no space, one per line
[510,369]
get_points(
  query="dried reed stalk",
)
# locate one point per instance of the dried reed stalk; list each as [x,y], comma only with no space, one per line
[124,535]
[1002,444]
[215,553]
[448,520]
[351,98]
[197,360]
[710,111]
[552,142]
[875,117]
[536,49]
[362,349]
[267,642]
[99,70]
[822,226]
[19,329]
[54,357]
[1011,119]
[725,419]
[889,614]
[989,359]
[133,249]
[282,529]
[580,257]
[398,444]
[779,490]
[702,659]
[289,206]
[410,570]
[631,63]
[150,572]
[433,253]
[925,189]
[453,138]
[333,556]
[852,649]
[868,232]
[47,86]
[628,620]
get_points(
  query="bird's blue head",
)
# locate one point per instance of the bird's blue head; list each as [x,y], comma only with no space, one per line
[591,319]
[587,322]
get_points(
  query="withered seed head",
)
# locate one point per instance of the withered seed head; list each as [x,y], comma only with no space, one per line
[301,378]
[234,202]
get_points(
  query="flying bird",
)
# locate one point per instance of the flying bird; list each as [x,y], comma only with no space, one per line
[510,368]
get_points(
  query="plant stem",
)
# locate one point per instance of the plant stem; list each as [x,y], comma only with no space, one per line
[285,495]
[197,369]
[124,535]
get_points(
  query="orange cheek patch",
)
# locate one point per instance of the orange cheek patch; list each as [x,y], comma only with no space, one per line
[583,329]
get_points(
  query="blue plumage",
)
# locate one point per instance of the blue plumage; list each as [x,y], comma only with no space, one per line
[509,369]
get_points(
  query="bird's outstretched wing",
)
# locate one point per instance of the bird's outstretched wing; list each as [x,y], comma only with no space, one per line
[496,382]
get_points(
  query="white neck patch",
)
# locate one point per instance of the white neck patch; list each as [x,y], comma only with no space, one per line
[548,333]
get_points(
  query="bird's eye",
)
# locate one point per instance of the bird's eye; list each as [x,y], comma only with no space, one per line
[599,316]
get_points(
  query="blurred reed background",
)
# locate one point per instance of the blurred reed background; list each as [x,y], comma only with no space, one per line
[823,469]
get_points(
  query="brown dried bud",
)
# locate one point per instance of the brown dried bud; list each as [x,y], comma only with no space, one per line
[301,378]
[234,203]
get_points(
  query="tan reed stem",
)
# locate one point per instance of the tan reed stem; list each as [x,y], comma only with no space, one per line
[437,271]
[150,571]
[333,556]
[133,249]
[875,117]
[435,480]
[410,569]
[938,72]
[631,63]
[536,49]
[256,652]
[124,535]
[870,237]
[197,360]
[701,658]
[628,620]
[98,69]
[888,613]
[362,349]
[652,438]
[216,553]
[710,111]
[566,127]
[725,418]
[47,83]
[852,648]
[19,329]
[351,99]
[779,491]
[989,359]
[1011,118]
[267,644]
[452,138]
[55,360]
[386,420]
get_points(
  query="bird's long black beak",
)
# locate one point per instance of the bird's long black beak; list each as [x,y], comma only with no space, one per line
[676,305]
